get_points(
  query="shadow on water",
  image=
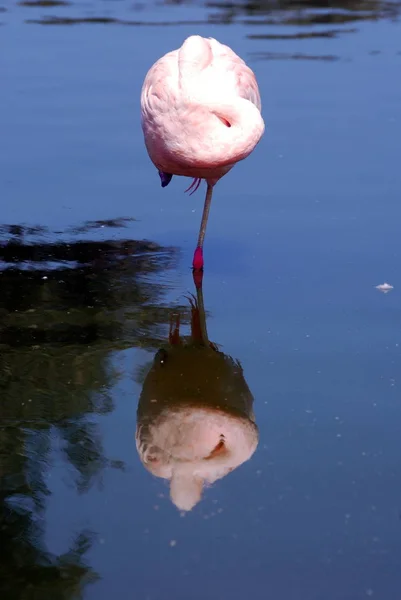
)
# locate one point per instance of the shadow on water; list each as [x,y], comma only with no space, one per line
[44,3]
[195,420]
[65,307]
[304,13]
[311,19]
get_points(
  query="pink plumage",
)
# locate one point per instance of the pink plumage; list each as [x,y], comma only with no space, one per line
[200,109]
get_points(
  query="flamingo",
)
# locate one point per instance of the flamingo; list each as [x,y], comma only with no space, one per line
[200,115]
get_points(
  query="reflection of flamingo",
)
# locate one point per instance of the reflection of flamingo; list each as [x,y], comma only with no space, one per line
[200,115]
[195,413]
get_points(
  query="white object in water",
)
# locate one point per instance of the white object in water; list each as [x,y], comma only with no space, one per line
[384,287]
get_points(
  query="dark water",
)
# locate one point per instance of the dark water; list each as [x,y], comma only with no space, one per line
[95,269]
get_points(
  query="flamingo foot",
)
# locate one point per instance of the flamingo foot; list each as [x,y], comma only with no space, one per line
[197,263]
[197,267]
[194,186]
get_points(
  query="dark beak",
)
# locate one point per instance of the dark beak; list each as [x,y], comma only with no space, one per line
[165,178]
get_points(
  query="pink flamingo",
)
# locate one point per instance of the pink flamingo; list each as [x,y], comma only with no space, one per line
[200,109]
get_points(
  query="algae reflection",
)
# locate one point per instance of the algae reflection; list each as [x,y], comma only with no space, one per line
[65,308]
[340,16]
[195,420]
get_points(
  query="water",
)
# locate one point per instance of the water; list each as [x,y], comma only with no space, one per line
[96,265]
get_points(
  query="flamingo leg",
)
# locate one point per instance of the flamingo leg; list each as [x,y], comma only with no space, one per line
[197,263]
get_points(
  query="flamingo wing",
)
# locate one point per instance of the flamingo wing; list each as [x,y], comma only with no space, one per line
[245,84]
[158,90]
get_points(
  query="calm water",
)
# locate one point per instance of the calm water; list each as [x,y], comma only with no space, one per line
[96,259]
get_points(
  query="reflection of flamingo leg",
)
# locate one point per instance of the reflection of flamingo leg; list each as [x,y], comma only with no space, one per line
[202,315]
[198,320]
[174,331]
[196,329]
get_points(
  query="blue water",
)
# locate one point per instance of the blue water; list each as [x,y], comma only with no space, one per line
[299,236]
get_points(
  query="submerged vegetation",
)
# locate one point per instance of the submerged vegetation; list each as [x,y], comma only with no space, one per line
[66,306]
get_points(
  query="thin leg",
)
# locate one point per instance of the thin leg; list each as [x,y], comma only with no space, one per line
[202,316]
[197,262]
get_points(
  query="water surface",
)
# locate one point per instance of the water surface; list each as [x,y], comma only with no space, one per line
[95,265]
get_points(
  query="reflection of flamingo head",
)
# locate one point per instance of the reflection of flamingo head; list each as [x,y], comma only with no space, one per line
[192,445]
[195,418]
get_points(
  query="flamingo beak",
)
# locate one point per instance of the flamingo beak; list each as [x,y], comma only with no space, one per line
[165,178]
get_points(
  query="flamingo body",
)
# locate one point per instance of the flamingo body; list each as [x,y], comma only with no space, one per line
[200,114]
